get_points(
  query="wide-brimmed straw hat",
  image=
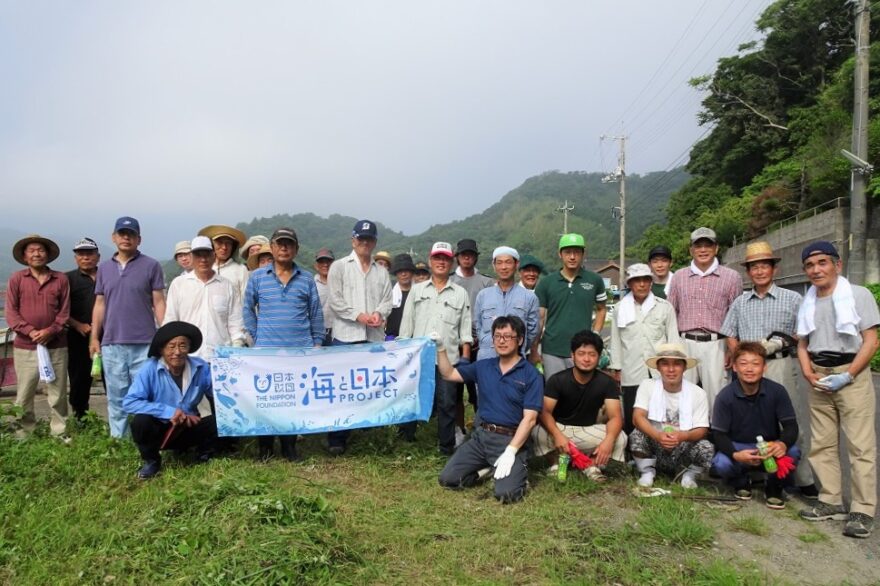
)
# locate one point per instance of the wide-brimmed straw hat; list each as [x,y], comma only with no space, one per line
[759,251]
[52,250]
[255,239]
[215,231]
[170,331]
[671,350]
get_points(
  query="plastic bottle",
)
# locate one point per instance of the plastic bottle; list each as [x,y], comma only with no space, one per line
[562,472]
[769,463]
[97,367]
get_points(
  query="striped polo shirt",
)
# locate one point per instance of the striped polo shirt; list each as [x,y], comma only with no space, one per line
[283,315]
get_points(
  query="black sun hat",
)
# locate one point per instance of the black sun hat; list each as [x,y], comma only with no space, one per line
[170,331]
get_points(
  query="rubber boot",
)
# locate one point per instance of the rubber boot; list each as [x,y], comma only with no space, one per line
[689,478]
[646,470]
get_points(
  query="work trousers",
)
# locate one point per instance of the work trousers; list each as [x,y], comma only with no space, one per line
[850,410]
[481,450]
[28,375]
[148,432]
[585,438]
[785,372]
[709,374]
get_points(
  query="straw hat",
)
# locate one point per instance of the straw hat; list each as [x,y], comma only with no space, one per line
[52,250]
[215,231]
[759,251]
[671,350]
[255,239]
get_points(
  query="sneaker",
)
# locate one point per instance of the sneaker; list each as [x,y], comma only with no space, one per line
[824,512]
[743,494]
[773,498]
[595,474]
[150,469]
[483,473]
[336,450]
[859,525]
[809,492]
[647,479]
[459,437]
[689,480]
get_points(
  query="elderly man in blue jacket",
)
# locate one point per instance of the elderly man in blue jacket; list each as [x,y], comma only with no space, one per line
[164,396]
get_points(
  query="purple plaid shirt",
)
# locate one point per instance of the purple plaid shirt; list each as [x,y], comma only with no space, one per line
[702,302]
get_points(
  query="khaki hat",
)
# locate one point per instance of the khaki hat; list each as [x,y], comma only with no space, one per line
[182,247]
[253,261]
[215,231]
[759,251]
[52,250]
[255,239]
[671,350]
[383,255]
[704,233]
[634,271]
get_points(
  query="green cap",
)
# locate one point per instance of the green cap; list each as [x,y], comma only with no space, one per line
[569,240]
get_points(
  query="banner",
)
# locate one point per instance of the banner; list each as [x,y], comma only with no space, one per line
[283,391]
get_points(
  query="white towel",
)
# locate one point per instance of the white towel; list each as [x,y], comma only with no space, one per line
[697,271]
[396,295]
[657,405]
[626,309]
[44,364]
[847,318]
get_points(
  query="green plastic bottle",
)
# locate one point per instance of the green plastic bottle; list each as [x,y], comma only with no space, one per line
[97,367]
[562,472]
[769,463]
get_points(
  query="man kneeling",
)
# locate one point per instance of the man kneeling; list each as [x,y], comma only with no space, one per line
[749,407]
[572,401]
[671,419]
[164,396]
[511,394]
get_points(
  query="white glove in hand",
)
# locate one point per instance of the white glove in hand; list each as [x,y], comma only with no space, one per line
[435,337]
[504,463]
[772,346]
[834,382]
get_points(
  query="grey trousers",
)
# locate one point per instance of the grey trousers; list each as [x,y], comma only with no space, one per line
[481,451]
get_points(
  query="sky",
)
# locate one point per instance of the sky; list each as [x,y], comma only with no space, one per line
[188,113]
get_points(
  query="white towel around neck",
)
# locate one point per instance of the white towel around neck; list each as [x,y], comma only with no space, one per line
[626,309]
[709,271]
[396,295]
[657,405]
[846,317]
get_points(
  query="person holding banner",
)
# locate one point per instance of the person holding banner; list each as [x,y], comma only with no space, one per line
[440,306]
[511,396]
[282,308]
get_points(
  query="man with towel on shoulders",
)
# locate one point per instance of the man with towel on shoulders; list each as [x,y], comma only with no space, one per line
[837,325]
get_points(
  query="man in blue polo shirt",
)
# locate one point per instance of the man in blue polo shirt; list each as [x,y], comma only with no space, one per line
[282,308]
[129,302]
[511,396]
[749,407]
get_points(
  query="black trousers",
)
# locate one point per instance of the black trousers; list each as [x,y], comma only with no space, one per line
[79,372]
[148,432]
[629,400]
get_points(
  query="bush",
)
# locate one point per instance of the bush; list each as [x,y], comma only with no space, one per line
[875,289]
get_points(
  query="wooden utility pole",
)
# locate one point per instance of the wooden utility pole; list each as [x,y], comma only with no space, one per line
[858,218]
[619,176]
[565,209]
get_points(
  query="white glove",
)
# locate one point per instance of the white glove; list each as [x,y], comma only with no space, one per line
[834,382]
[435,337]
[772,346]
[504,463]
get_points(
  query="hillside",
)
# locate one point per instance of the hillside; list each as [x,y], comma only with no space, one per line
[524,218]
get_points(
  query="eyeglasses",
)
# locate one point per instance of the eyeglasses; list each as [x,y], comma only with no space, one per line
[504,337]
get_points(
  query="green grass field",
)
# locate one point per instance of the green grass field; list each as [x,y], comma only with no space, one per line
[76,514]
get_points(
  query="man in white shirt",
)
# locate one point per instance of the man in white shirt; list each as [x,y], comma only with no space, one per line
[227,241]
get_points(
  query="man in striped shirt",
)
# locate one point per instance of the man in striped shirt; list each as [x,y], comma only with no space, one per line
[701,295]
[282,308]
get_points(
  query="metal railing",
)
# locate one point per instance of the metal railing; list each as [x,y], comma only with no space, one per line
[840,202]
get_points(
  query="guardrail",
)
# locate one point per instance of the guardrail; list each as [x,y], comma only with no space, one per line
[840,202]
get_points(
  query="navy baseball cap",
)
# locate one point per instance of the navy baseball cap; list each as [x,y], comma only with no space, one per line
[364,229]
[128,223]
[819,247]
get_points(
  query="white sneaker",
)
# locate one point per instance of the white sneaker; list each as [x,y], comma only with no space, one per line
[646,479]
[689,480]
[459,437]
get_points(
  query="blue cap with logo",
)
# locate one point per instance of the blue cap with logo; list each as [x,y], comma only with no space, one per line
[127,223]
[819,247]
[364,229]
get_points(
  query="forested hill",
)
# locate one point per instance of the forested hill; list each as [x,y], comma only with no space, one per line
[779,111]
[524,218]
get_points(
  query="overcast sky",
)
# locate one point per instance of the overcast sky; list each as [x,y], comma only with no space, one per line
[407,112]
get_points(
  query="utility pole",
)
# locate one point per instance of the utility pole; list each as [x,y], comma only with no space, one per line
[565,208]
[619,176]
[858,210]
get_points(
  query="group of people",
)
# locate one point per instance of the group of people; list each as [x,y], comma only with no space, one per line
[525,344]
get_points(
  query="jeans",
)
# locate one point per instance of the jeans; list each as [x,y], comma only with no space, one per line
[736,474]
[121,364]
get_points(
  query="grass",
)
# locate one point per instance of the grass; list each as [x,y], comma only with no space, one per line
[750,524]
[76,514]
[813,536]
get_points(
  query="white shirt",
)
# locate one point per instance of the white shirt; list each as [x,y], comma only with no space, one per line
[236,273]
[213,307]
[352,292]
[638,341]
